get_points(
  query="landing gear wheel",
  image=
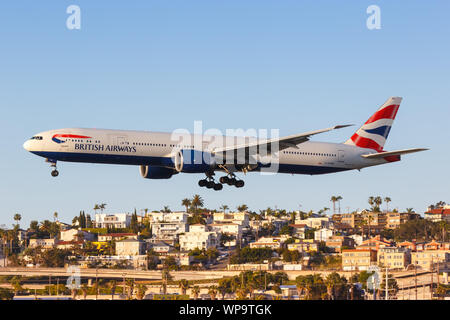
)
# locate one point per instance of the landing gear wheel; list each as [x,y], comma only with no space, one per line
[210,184]
[232,181]
[239,183]
[55,173]
[224,180]
[202,183]
[218,186]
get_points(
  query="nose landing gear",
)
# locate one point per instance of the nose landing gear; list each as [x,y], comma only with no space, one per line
[54,172]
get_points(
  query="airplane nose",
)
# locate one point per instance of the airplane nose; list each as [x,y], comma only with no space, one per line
[27,145]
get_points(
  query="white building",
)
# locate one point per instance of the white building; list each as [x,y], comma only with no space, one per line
[115,220]
[323,234]
[130,247]
[228,228]
[241,218]
[168,230]
[315,222]
[154,217]
[198,237]
[76,235]
[44,243]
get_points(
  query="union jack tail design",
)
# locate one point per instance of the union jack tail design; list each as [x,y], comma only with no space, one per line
[373,133]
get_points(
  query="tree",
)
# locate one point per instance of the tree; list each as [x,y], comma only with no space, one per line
[387,200]
[197,202]
[55,216]
[242,208]
[141,289]
[102,207]
[212,292]
[96,207]
[224,208]
[112,287]
[195,292]
[183,284]
[186,203]
[17,218]
[334,200]
[6,294]
[338,199]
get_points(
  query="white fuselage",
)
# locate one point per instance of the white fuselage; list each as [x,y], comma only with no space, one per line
[154,148]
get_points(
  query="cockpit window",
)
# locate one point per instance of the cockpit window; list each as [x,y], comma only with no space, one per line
[36,138]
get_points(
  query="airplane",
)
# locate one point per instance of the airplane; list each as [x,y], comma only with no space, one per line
[162,155]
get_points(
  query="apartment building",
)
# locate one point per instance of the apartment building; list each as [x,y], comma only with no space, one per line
[241,218]
[396,219]
[337,242]
[227,228]
[168,230]
[394,257]
[425,259]
[439,214]
[130,247]
[116,236]
[360,260]
[307,245]
[199,237]
[352,219]
[156,217]
[114,220]
[323,234]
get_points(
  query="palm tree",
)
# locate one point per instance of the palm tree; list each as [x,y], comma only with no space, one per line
[338,199]
[96,207]
[334,200]
[224,208]
[17,218]
[378,201]
[242,208]
[195,292]
[387,200]
[371,202]
[212,292]
[409,210]
[112,286]
[84,289]
[141,289]
[183,284]
[197,202]
[102,207]
[186,203]
[55,216]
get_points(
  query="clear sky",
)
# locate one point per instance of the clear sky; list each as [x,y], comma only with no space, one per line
[160,65]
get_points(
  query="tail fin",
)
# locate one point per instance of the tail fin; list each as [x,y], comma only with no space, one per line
[373,133]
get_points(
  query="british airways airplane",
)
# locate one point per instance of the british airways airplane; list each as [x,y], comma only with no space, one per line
[162,155]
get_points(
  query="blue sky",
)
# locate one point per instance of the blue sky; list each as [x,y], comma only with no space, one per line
[161,65]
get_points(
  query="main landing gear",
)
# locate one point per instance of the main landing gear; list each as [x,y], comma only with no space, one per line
[231,180]
[54,172]
[210,183]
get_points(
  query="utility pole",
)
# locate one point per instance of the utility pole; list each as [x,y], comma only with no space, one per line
[123,290]
[415,279]
[387,287]
[432,280]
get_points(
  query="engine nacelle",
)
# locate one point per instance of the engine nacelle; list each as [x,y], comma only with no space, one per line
[193,161]
[154,172]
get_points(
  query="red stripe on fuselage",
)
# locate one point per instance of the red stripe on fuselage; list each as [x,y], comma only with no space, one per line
[386,113]
[74,136]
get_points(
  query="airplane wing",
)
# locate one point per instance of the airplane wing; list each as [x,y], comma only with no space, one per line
[253,148]
[391,153]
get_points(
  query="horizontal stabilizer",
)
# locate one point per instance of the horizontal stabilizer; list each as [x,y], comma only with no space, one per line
[380,155]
